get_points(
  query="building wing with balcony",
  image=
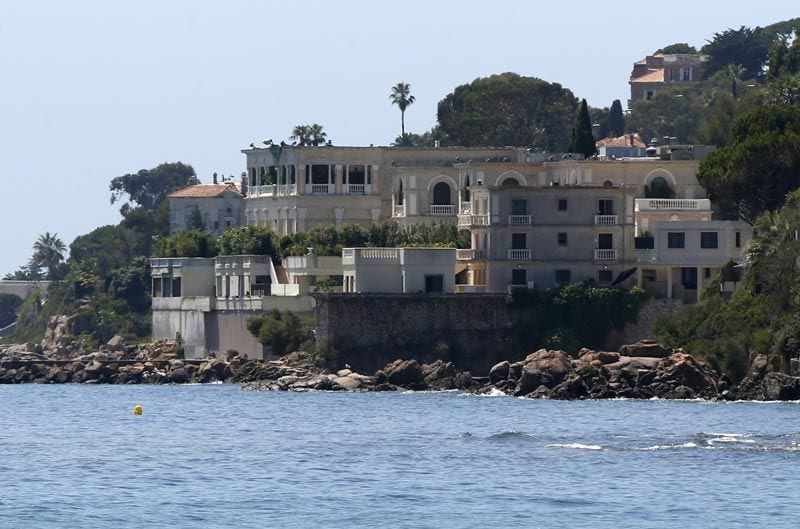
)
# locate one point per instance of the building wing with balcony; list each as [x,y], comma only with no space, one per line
[399,270]
[654,72]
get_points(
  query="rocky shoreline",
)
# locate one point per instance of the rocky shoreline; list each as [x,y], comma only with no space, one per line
[640,371]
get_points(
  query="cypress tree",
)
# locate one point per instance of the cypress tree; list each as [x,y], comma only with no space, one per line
[616,120]
[581,138]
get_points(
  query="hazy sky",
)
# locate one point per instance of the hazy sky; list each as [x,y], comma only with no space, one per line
[96,89]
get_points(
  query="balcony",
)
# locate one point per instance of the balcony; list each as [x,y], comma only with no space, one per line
[471,255]
[471,289]
[609,254]
[320,189]
[520,220]
[606,220]
[357,189]
[473,221]
[519,254]
[673,204]
[273,190]
[399,210]
[466,208]
[441,210]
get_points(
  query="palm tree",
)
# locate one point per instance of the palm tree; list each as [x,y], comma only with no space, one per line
[48,252]
[308,135]
[401,96]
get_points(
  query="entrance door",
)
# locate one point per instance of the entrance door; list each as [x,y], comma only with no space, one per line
[689,278]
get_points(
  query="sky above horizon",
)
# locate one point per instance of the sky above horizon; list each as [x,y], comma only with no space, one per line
[94,89]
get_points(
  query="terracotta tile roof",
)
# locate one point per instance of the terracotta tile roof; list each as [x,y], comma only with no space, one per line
[653,76]
[623,141]
[205,190]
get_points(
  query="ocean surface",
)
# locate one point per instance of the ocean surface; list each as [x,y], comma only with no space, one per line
[208,456]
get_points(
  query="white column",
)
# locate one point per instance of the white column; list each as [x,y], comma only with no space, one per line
[669,282]
[700,281]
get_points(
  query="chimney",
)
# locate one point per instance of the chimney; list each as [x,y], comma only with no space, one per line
[215,178]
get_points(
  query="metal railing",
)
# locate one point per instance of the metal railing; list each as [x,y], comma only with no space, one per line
[519,254]
[606,220]
[605,254]
[520,220]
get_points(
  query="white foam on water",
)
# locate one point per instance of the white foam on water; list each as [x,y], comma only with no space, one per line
[667,447]
[575,446]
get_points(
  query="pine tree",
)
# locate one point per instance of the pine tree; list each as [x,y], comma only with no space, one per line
[616,119]
[581,138]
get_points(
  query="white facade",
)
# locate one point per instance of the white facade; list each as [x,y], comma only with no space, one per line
[399,270]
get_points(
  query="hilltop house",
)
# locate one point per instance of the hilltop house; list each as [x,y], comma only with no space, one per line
[215,207]
[654,72]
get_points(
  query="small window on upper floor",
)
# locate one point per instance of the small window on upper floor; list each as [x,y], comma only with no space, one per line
[562,204]
[676,239]
[563,276]
[562,239]
[709,239]
[605,276]
[738,239]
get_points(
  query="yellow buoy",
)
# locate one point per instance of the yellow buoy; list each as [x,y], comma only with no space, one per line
[137,410]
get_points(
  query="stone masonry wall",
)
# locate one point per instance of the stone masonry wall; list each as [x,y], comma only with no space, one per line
[651,311]
[369,330]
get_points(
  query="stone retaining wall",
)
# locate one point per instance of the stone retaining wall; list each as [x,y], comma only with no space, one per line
[369,330]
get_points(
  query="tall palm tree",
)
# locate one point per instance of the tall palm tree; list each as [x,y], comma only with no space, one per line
[308,135]
[401,96]
[48,252]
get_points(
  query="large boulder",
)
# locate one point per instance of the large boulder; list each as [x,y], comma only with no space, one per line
[780,386]
[499,372]
[681,369]
[543,368]
[645,348]
[404,373]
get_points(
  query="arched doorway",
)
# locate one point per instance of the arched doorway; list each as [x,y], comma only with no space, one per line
[510,182]
[441,194]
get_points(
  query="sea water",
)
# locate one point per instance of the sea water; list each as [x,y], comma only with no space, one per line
[215,456]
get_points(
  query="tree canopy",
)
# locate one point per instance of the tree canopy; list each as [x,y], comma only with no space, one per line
[678,47]
[401,96]
[760,167]
[149,188]
[508,109]
[308,135]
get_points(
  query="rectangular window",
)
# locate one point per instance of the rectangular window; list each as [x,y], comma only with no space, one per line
[519,241]
[519,277]
[738,239]
[686,74]
[562,276]
[355,174]
[605,241]
[707,272]
[605,206]
[562,204]
[676,239]
[176,287]
[519,206]
[709,239]
[156,286]
[562,239]
[434,283]
[320,174]
[605,276]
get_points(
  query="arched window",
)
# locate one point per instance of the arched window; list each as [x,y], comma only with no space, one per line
[441,194]
[609,183]
[510,182]
[659,188]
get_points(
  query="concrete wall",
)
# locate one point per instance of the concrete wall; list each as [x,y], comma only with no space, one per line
[417,263]
[642,329]
[219,213]
[22,289]
[228,330]
[369,330]
[186,316]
